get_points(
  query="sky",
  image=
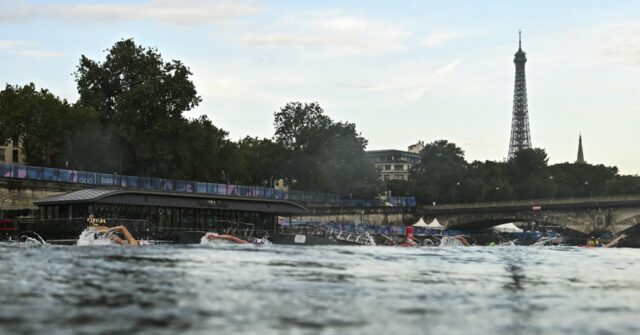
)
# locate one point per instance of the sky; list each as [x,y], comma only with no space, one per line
[402,71]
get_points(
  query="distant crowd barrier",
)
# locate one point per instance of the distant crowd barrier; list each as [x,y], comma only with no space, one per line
[17,171]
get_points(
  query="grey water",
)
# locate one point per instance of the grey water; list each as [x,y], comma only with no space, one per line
[229,289]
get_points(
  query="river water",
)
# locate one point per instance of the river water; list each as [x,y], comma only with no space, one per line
[231,289]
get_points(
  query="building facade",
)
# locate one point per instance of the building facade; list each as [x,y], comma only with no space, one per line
[395,164]
[11,152]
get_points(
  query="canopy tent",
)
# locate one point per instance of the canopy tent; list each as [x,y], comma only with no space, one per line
[435,225]
[420,223]
[507,228]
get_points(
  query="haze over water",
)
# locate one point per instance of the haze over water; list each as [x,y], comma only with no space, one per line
[229,289]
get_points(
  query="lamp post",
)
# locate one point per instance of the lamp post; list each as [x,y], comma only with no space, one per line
[586,185]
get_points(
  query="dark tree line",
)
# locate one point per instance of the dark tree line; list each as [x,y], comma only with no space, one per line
[444,176]
[129,120]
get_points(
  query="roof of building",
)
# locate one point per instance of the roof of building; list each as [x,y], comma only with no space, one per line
[391,151]
[173,199]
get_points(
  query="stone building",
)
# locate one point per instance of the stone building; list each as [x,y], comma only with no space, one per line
[395,164]
[11,152]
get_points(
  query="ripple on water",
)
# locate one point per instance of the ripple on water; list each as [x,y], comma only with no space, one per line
[333,290]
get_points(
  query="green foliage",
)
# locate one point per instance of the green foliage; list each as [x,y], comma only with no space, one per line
[299,126]
[440,174]
[40,121]
[91,147]
[322,155]
[198,151]
[528,173]
[444,176]
[140,99]
[259,160]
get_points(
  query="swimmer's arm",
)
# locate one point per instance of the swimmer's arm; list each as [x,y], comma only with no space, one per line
[130,239]
[463,240]
[101,229]
[118,240]
[615,241]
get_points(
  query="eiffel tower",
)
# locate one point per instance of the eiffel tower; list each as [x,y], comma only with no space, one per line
[520,136]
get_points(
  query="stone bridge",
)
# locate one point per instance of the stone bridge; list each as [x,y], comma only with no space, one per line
[612,214]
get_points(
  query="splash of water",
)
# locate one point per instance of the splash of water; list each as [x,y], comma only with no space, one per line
[256,241]
[546,241]
[450,241]
[90,236]
[36,240]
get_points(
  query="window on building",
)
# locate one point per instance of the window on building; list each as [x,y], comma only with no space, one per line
[15,156]
[386,177]
[387,167]
[379,167]
[398,167]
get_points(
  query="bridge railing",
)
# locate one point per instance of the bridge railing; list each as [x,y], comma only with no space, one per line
[393,201]
[538,202]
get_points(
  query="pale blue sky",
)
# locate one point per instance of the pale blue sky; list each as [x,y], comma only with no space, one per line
[403,71]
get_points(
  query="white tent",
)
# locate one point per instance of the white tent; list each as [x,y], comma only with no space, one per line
[507,228]
[420,223]
[435,225]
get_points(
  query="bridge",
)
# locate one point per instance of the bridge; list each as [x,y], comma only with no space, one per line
[588,215]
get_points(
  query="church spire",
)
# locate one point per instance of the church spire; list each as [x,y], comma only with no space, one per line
[580,159]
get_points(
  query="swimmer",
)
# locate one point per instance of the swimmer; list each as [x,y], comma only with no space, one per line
[409,241]
[118,234]
[462,240]
[592,242]
[230,238]
[615,241]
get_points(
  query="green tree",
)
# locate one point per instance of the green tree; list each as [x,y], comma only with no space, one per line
[322,155]
[344,169]
[529,175]
[92,147]
[260,160]
[492,181]
[579,180]
[198,151]
[40,121]
[141,98]
[440,174]
[298,126]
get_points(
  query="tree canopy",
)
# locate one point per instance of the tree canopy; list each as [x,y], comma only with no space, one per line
[40,121]
[140,99]
[444,176]
[321,154]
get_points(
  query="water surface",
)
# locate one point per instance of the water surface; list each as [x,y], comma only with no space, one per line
[230,289]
